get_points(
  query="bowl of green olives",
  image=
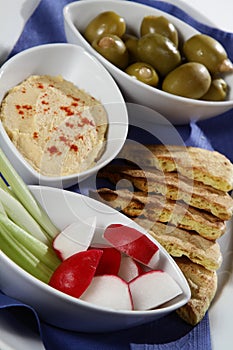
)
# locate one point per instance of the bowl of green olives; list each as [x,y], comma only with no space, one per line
[158,60]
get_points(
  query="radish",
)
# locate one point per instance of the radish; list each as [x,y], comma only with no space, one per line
[153,289]
[110,262]
[133,243]
[108,291]
[75,273]
[129,268]
[74,238]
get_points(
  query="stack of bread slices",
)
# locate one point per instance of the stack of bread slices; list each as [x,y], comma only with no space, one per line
[181,196]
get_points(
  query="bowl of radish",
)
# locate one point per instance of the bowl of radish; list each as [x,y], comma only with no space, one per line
[90,263]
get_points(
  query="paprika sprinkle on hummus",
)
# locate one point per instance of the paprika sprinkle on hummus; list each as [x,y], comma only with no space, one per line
[58,128]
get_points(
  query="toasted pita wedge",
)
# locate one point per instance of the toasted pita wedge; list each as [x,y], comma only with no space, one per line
[175,187]
[203,286]
[180,243]
[156,207]
[209,167]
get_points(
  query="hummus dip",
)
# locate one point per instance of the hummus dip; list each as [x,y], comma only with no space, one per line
[58,128]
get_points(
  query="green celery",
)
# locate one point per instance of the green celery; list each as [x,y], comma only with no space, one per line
[39,249]
[2,210]
[23,257]
[25,196]
[4,186]
[17,213]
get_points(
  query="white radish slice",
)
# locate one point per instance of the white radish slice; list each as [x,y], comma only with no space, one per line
[75,238]
[153,289]
[108,291]
[133,243]
[129,269]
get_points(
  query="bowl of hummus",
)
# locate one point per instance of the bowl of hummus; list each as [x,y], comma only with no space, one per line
[62,116]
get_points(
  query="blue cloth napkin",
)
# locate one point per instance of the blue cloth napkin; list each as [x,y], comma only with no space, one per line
[46,26]
[168,333]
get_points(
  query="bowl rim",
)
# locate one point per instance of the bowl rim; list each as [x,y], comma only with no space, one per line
[97,166]
[186,293]
[67,18]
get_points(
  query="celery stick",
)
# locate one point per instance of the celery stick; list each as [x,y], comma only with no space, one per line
[2,210]
[22,257]
[25,196]
[17,213]
[40,250]
[4,186]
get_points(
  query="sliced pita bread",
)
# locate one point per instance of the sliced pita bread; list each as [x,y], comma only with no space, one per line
[203,286]
[209,167]
[180,243]
[155,207]
[174,187]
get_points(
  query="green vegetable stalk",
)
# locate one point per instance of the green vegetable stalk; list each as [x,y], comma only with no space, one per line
[26,231]
[24,195]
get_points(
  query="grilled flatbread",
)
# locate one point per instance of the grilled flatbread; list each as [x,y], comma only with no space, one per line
[203,286]
[209,167]
[155,207]
[180,243]
[175,187]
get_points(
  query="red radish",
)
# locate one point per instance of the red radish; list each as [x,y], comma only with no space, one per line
[129,268]
[108,291]
[133,243]
[74,238]
[152,289]
[74,274]
[110,262]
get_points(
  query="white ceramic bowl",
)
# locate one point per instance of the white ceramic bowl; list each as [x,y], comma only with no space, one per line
[177,110]
[68,312]
[73,63]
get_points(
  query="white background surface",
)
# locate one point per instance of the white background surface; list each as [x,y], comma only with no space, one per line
[13,14]
[219,12]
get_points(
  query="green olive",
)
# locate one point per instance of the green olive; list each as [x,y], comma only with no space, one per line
[208,51]
[107,22]
[158,51]
[131,43]
[160,25]
[113,49]
[143,72]
[190,80]
[217,91]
